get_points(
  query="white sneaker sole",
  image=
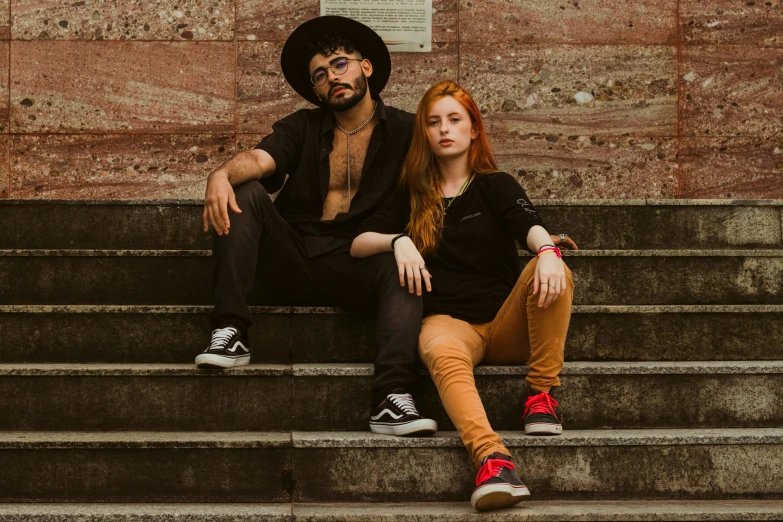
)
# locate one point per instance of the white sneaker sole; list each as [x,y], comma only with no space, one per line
[419,428]
[543,429]
[209,360]
[497,496]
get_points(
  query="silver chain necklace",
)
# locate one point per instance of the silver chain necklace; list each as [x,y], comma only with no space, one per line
[348,143]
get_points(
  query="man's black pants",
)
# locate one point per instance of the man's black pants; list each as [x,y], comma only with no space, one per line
[262,247]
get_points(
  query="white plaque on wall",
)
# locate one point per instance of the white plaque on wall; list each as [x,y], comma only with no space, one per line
[405,25]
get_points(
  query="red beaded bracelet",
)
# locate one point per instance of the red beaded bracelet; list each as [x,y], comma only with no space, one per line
[554,249]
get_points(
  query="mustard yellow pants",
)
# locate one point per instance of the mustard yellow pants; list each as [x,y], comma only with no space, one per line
[521,333]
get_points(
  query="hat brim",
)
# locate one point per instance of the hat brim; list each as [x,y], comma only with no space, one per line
[296,67]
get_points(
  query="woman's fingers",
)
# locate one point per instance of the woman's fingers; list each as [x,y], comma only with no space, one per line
[401,270]
[417,278]
[557,291]
[409,270]
[205,219]
[427,279]
[543,293]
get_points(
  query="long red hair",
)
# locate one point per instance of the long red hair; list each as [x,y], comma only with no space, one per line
[420,172]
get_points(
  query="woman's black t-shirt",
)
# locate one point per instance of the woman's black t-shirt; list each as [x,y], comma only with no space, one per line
[476,263]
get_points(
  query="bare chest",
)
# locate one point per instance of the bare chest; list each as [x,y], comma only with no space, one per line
[339,164]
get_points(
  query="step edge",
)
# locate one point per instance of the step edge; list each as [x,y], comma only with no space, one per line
[330,310]
[188,253]
[348,439]
[570,368]
[586,511]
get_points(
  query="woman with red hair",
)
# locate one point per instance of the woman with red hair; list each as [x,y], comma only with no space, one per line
[457,212]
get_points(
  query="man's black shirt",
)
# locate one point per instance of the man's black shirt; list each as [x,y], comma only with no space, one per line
[476,263]
[300,145]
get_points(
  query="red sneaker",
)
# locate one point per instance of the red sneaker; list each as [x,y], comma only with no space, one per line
[497,485]
[540,417]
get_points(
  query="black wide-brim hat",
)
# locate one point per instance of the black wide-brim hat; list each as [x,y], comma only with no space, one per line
[296,65]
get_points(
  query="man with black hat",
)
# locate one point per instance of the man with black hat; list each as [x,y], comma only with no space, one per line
[342,160]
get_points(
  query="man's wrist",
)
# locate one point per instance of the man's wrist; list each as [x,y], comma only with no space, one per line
[220,173]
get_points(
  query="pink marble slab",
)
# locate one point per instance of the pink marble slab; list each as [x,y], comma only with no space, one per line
[248,141]
[274,20]
[589,167]
[414,73]
[732,167]
[264,96]
[4,166]
[4,90]
[731,91]
[570,89]
[55,166]
[5,19]
[732,22]
[82,86]
[122,20]
[569,21]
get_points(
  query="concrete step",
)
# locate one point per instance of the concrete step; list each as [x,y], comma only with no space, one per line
[336,397]
[145,467]
[176,334]
[602,224]
[691,464]
[528,511]
[601,277]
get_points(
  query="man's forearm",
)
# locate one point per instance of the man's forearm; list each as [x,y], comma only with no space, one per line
[244,167]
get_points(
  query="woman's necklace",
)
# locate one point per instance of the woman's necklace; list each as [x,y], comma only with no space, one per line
[464,184]
[348,144]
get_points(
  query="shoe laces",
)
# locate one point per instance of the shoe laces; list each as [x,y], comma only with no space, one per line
[403,401]
[540,403]
[492,468]
[221,336]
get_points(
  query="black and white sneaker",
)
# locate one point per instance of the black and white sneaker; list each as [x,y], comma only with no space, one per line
[497,484]
[227,350]
[397,415]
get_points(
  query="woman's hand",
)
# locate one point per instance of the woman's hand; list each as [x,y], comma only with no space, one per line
[411,265]
[550,279]
[567,243]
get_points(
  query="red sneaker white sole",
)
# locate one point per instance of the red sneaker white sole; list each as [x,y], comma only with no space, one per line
[497,496]
[542,428]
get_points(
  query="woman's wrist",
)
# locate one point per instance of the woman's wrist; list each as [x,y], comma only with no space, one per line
[549,250]
[398,236]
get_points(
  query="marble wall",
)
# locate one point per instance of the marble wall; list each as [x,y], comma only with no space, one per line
[584,99]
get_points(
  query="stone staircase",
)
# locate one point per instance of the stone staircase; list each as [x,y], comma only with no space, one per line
[671,398]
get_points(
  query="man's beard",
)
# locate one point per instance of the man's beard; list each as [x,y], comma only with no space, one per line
[347,102]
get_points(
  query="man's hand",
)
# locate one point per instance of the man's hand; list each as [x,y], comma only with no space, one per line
[568,243]
[410,263]
[219,195]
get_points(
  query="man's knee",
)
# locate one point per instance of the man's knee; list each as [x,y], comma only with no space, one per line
[383,264]
[253,194]
[385,273]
